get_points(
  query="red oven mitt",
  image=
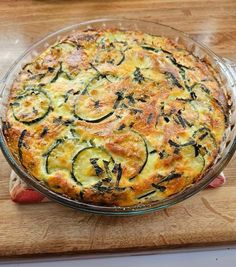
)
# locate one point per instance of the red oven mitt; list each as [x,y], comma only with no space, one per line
[22,193]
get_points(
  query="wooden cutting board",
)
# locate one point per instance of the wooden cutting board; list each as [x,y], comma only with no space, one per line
[209,218]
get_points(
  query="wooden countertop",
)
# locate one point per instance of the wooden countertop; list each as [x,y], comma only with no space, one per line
[209,218]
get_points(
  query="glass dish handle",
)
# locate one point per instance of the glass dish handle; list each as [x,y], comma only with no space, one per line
[2,108]
[232,68]
[2,85]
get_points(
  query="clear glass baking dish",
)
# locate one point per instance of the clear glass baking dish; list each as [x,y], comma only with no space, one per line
[228,146]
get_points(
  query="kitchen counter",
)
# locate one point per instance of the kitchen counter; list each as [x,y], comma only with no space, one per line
[218,258]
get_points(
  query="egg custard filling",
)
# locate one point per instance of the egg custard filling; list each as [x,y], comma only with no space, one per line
[116,118]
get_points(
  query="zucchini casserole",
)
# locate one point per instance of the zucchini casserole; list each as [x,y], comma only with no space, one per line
[116,118]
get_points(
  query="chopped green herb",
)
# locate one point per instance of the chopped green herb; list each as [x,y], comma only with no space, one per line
[149,118]
[51,69]
[181,120]
[66,96]
[203,136]
[106,167]
[159,187]
[138,77]
[149,48]
[107,179]
[119,98]
[96,167]
[173,79]
[193,95]
[97,103]
[118,171]
[163,154]
[15,104]
[131,99]
[196,149]
[35,111]
[121,127]
[123,105]
[170,177]
[135,110]
[21,143]
[143,98]
[72,131]
[81,194]
[166,119]
[101,188]
[147,194]
[44,132]
[58,120]
[131,125]
[153,151]
[176,150]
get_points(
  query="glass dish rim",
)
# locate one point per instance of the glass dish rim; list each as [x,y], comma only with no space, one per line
[113,210]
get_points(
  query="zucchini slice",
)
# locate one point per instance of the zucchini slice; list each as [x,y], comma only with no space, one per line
[111,52]
[129,149]
[61,73]
[110,55]
[41,75]
[31,106]
[188,158]
[190,162]
[96,102]
[61,154]
[93,109]
[92,165]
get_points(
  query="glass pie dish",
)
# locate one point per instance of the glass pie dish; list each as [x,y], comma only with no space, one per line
[223,69]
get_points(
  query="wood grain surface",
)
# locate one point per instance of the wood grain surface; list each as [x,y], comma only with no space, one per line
[209,218]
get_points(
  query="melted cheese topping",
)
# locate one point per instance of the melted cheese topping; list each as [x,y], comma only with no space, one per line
[116,117]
